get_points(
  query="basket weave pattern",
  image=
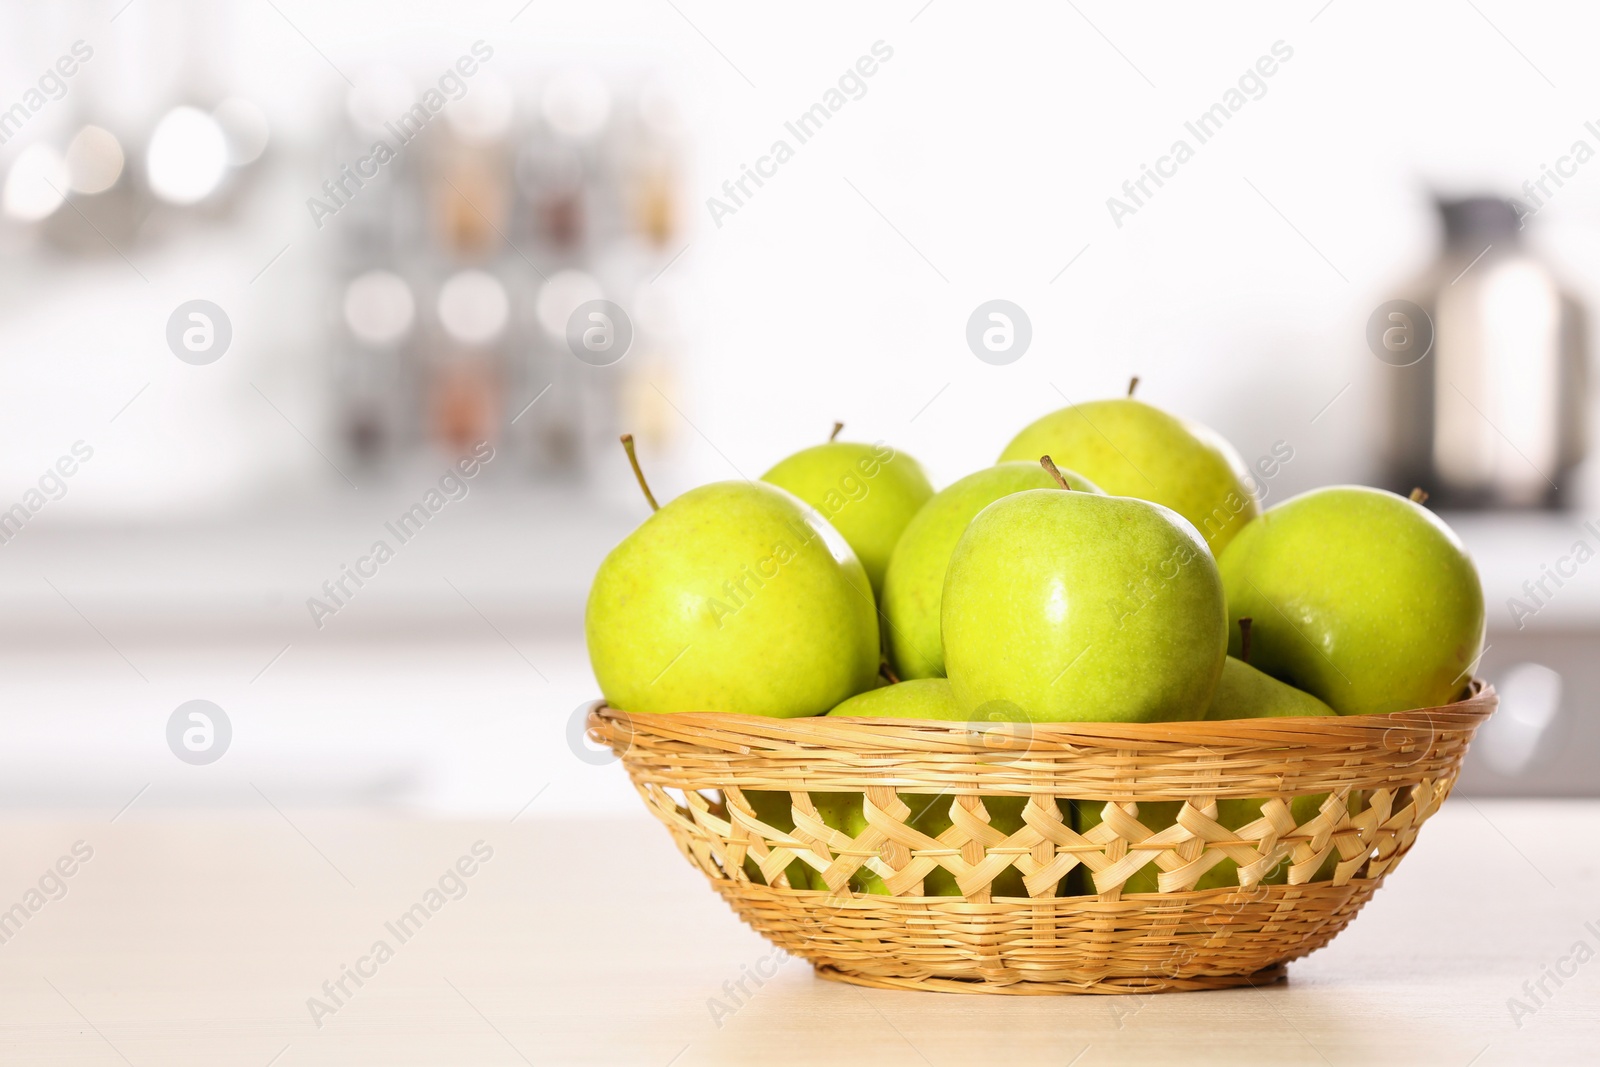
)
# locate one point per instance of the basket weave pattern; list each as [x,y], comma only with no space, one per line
[1383,776]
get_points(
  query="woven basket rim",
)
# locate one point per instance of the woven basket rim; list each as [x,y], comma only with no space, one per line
[1290,731]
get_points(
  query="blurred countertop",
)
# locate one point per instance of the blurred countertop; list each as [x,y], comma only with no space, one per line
[202,939]
[522,556]
[447,683]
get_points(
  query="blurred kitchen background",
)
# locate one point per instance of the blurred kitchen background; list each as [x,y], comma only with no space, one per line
[386,315]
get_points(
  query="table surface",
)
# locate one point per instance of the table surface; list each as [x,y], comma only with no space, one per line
[186,939]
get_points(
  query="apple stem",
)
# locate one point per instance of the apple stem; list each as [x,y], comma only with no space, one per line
[1244,638]
[1049,465]
[633,458]
[888,673]
[837,426]
[1133,383]
[1419,496]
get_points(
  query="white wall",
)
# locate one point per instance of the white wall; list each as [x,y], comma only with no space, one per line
[991,141]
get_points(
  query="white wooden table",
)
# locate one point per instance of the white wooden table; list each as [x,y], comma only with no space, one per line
[201,940]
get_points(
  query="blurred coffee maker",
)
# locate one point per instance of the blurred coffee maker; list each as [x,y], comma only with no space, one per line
[1487,383]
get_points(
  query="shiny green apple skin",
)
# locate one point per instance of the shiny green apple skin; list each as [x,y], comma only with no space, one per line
[734,597]
[913,587]
[1130,448]
[868,492]
[1246,693]
[1361,598]
[921,698]
[1073,607]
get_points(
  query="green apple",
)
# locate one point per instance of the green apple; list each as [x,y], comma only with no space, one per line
[913,588]
[1075,607]
[1246,693]
[735,597]
[868,492]
[1361,598]
[1130,448]
[922,698]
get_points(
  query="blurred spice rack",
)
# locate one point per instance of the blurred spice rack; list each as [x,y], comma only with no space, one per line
[498,214]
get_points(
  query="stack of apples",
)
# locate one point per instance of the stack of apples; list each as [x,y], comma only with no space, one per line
[1114,566]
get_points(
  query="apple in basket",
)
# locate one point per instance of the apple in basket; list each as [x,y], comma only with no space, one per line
[1079,606]
[913,588]
[1140,582]
[1360,597]
[733,597]
[1130,448]
[868,492]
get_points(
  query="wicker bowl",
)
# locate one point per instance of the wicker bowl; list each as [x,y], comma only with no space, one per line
[1382,775]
